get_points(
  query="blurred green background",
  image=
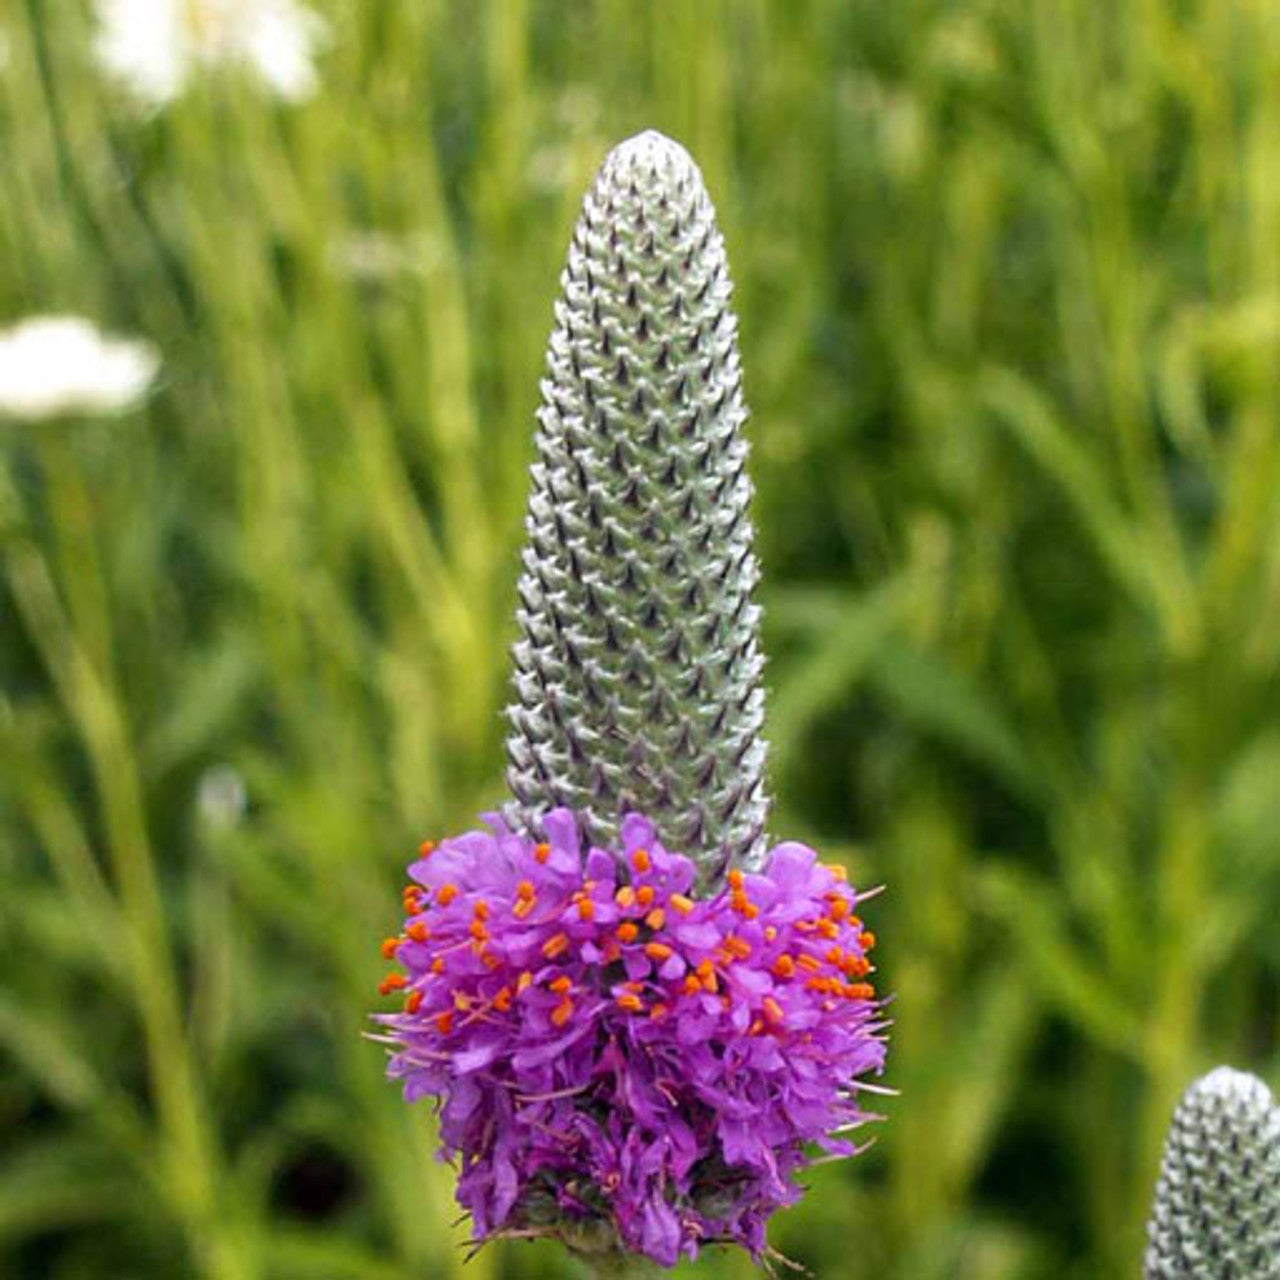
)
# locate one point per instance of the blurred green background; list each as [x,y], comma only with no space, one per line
[1008,275]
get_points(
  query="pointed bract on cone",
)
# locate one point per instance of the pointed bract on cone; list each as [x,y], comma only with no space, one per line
[1217,1204]
[638,669]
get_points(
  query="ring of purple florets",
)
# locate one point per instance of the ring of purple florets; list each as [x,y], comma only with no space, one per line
[617,1058]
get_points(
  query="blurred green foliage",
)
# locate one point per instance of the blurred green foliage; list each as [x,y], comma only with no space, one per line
[1009,281]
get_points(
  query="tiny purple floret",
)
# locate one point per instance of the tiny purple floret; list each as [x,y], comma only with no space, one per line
[610,1052]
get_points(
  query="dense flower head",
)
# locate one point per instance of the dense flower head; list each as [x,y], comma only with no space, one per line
[618,1058]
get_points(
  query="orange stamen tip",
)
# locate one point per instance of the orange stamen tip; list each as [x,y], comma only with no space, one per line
[555,946]
[770,933]
[524,980]
[389,946]
[682,904]
[838,871]
[586,909]
[656,918]
[627,932]
[860,991]
[772,1009]
[524,890]
[645,894]
[657,951]
[561,984]
[542,852]
[809,962]
[562,1013]
[522,908]
[736,879]
[784,967]
[640,860]
[625,897]
[426,848]
[756,1028]
[502,1001]
[481,909]
[866,940]
[658,1012]
[446,894]
[437,965]
[418,931]
[444,1022]
[392,982]
[632,1004]
[413,1002]
[692,986]
[477,930]
[834,955]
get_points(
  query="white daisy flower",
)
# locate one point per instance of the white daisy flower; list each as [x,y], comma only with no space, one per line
[155,45]
[51,366]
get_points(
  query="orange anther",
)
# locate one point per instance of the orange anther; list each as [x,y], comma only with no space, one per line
[522,908]
[625,897]
[656,918]
[640,860]
[627,932]
[426,848]
[866,940]
[502,1001]
[737,947]
[644,894]
[392,982]
[772,1009]
[489,960]
[632,1004]
[525,890]
[446,894]
[555,946]
[418,931]
[806,961]
[736,879]
[562,1013]
[784,966]
[828,928]
[756,1028]
[542,852]
[481,909]
[477,930]
[586,909]
[413,1002]
[856,966]
[561,984]
[837,871]
[834,955]
[437,965]
[658,951]
[461,1001]
[659,1011]
[692,986]
[524,980]
[444,1022]
[770,933]
[839,907]
[389,946]
[860,991]
[682,904]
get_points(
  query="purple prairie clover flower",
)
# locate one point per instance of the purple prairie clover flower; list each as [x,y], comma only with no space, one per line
[616,1058]
[639,1018]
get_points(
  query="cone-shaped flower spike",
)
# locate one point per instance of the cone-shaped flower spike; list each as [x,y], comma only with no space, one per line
[1217,1203]
[637,674]
[636,1018]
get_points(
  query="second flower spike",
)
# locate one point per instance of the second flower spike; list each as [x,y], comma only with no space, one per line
[637,679]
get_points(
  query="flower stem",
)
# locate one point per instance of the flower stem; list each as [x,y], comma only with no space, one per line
[619,1266]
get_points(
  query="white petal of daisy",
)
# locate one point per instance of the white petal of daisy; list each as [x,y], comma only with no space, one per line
[56,365]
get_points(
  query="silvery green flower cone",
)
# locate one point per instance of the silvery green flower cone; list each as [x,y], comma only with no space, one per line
[637,681]
[1217,1204]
